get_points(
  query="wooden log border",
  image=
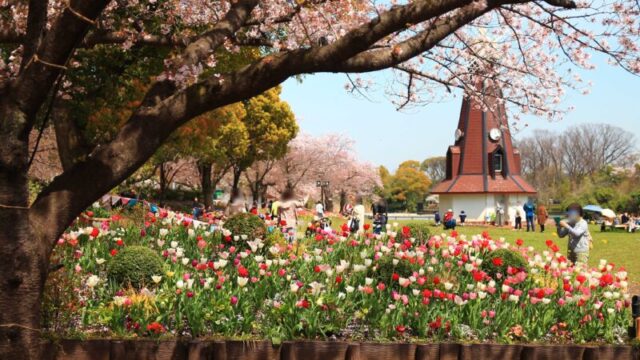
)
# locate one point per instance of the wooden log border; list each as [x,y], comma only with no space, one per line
[321,350]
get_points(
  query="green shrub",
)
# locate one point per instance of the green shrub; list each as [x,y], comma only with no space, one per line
[135,265]
[419,230]
[506,257]
[246,224]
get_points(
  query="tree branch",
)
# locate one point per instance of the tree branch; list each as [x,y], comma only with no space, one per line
[39,73]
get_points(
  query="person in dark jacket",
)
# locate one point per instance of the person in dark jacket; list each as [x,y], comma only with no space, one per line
[529,212]
[437,218]
[380,216]
[463,217]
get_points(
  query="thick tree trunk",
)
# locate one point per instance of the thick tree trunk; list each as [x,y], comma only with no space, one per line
[235,186]
[71,144]
[205,182]
[163,183]
[23,268]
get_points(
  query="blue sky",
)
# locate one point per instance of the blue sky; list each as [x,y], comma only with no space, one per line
[387,137]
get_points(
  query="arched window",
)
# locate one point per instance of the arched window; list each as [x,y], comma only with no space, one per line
[497,161]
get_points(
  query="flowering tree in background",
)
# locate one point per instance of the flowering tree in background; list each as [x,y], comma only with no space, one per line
[527,47]
[329,158]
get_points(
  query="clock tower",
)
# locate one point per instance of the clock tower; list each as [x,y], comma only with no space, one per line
[483,175]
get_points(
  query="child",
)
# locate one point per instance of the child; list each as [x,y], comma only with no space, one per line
[577,229]
[518,220]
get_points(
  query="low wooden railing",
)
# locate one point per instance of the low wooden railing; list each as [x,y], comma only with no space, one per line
[322,350]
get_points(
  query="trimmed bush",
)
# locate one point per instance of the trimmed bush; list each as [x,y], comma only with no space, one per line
[246,224]
[499,260]
[135,265]
[419,230]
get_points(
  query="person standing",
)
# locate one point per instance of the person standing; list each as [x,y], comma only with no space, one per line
[275,210]
[518,219]
[357,216]
[529,213]
[463,217]
[288,214]
[319,210]
[577,229]
[543,216]
[499,213]
[380,215]
[269,207]
[436,218]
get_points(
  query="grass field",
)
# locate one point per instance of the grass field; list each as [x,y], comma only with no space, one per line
[620,248]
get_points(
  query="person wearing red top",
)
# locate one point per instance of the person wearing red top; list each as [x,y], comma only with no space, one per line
[449,220]
[254,209]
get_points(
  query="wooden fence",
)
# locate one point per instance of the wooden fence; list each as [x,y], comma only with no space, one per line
[321,350]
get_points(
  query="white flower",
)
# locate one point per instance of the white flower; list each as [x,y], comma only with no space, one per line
[163,232]
[294,287]
[191,233]
[368,281]
[219,264]
[92,281]
[174,244]
[513,298]
[350,289]
[416,292]
[468,267]
[156,279]
[546,301]
[341,295]
[119,300]
[179,284]
[506,288]
[482,294]
[610,310]
[448,285]
[100,261]
[190,283]
[316,288]
[185,261]
[242,281]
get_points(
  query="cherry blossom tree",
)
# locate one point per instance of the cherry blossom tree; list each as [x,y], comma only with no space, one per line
[331,158]
[527,47]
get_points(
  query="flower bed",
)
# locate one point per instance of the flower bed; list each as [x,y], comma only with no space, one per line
[332,286]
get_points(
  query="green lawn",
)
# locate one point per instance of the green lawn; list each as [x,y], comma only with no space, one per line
[620,248]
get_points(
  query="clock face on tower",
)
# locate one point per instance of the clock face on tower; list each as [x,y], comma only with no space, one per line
[495,134]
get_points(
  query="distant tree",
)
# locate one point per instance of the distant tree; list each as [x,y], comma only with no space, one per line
[409,184]
[583,157]
[270,125]
[435,167]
